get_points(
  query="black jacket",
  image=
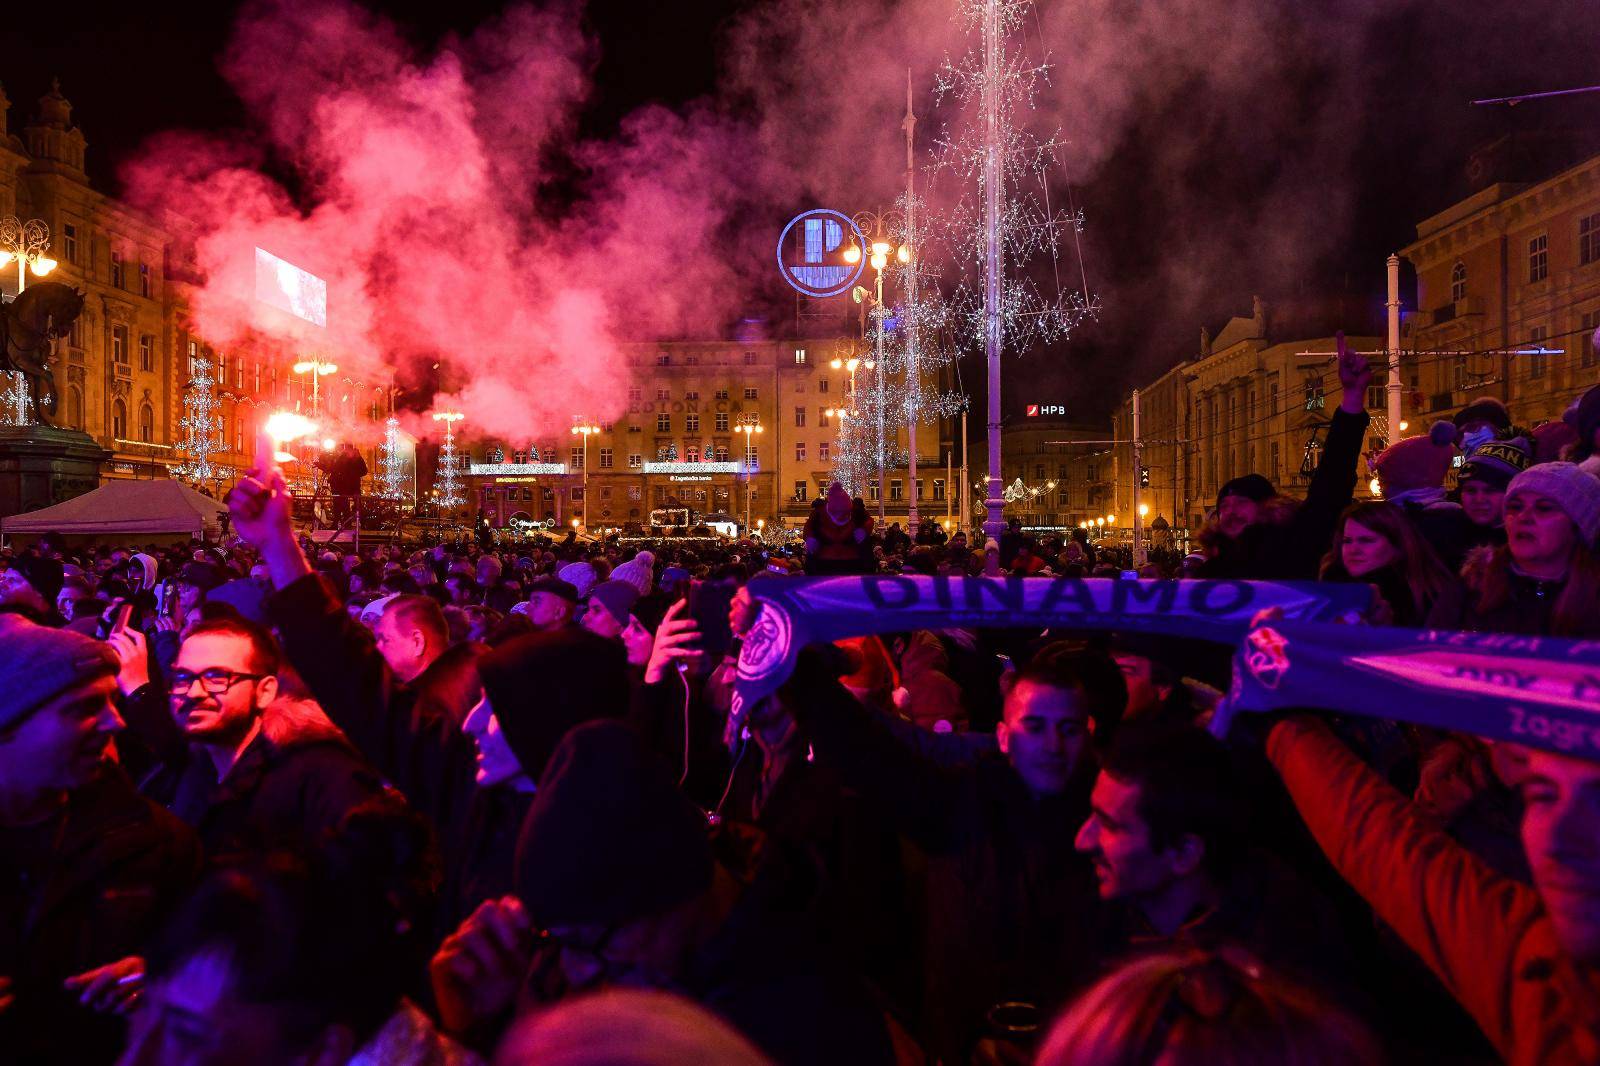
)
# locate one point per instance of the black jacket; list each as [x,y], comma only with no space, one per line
[417,748]
[1005,900]
[84,890]
[1528,610]
[1293,550]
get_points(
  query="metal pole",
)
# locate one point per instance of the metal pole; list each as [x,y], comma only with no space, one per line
[1138,478]
[949,480]
[995,523]
[586,481]
[877,314]
[962,495]
[913,381]
[1394,349]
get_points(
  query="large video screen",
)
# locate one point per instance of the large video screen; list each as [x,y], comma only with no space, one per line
[285,286]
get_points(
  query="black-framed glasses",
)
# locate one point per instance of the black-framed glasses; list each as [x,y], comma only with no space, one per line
[215,681]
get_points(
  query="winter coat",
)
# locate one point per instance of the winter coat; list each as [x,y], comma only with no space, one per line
[1528,609]
[1487,938]
[416,748]
[1006,901]
[1292,550]
[93,890]
[450,685]
[294,782]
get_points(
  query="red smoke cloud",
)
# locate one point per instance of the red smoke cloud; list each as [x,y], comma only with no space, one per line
[418,181]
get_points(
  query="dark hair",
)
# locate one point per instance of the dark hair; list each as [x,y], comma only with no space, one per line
[420,612]
[1186,787]
[1073,665]
[264,657]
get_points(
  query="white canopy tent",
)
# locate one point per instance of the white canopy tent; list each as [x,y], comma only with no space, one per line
[120,507]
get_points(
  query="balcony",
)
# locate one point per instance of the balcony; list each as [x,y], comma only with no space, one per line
[122,371]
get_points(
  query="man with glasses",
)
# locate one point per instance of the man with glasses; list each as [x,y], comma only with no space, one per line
[245,767]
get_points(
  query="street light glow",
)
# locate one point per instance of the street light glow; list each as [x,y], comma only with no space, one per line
[852,255]
[284,426]
[1144,510]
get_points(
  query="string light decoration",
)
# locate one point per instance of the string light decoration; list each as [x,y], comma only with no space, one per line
[392,464]
[14,402]
[200,426]
[1003,224]
[449,473]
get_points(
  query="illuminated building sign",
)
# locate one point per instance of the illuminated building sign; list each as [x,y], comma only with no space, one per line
[691,468]
[1037,409]
[496,469]
[690,477]
[811,252]
[285,286]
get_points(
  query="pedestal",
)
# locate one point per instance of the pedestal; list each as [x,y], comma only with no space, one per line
[41,466]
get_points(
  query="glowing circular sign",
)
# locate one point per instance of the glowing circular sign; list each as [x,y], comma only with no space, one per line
[811,252]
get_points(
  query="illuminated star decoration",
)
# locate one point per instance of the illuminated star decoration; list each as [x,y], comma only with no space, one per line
[1032,227]
[200,426]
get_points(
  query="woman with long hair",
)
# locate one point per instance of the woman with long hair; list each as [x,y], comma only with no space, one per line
[1376,543]
[1545,580]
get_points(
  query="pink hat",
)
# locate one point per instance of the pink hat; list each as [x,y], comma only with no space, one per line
[1416,462]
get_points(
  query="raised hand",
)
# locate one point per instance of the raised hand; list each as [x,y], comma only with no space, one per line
[111,989]
[1355,374]
[478,969]
[132,651]
[677,641]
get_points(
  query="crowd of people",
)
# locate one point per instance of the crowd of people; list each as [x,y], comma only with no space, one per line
[271,802]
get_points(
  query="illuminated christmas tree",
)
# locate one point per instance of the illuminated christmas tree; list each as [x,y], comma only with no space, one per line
[14,401]
[448,476]
[200,426]
[391,464]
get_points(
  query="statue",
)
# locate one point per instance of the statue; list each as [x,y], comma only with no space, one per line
[29,328]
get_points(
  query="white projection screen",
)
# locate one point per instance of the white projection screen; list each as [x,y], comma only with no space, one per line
[285,286]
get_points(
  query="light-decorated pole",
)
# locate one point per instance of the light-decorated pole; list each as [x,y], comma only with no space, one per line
[586,429]
[847,415]
[878,228]
[909,251]
[317,369]
[994,525]
[749,424]
[449,470]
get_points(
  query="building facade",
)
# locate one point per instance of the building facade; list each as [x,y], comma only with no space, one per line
[1508,294]
[1063,469]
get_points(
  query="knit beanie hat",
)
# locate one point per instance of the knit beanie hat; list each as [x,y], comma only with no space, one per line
[1550,439]
[1574,491]
[1484,409]
[40,663]
[1249,486]
[581,576]
[45,575]
[617,597]
[1496,462]
[1416,462]
[1584,417]
[543,684]
[635,573]
[610,838]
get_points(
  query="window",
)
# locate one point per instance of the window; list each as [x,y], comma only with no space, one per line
[76,336]
[800,451]
[822,385]
[663,423]
[872,491]
[605,458]
[691,360]
[663,394]
[800,491]
[635,398]
[663,360]
[147,423]
[722,422]
[800,417]
[74,407]
[799,357]
[722,394]
[1536,363]
[119,420]
[691,453]
[750,393]
[938,489]
[1038,471]
[119,344]
[722,452]
[1538,258]
[916,487]
[69,242]
[691,423]
[1458,374]
[692,394]
[1588,239]
[824,453]
[635,461]
[575,458]
[144,279]
[1458,283]
[116,269]
[1275,472]
[1378,392]
[896,489]
[749,358]
[822,417]
[147,357]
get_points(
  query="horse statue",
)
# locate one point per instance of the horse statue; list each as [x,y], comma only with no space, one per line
[29,328]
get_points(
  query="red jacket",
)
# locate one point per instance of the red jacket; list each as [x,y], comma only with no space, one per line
[1486,937]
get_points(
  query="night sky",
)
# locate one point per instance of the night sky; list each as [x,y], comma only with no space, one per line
[131,71]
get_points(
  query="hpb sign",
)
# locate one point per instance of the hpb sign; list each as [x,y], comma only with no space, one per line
[811,252]
[1037,409]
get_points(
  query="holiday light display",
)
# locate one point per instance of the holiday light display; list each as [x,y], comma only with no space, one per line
[200,426]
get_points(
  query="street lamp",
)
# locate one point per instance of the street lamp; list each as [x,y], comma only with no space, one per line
[26,242]
[583,427]
[880,246]
[317,369]
[748,423]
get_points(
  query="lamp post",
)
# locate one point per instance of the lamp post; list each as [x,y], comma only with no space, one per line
[450,496]
[880,246]
[26,242]
[317,369]
[748,423]
[844,414]
[584,428]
